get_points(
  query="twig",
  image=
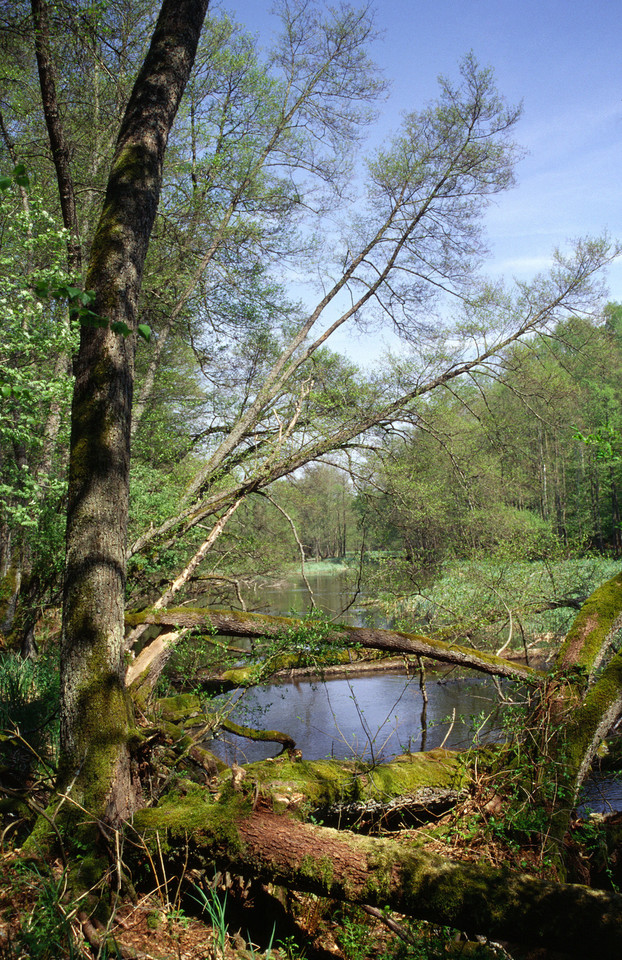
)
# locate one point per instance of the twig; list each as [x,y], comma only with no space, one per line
[451,726]
[297,539]
[394,927]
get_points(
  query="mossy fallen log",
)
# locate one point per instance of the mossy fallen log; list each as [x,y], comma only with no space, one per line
[253,840]
[262,736]
[296,666]
[598,620]
[250,625]
[346,790]
[358,792]
[586,698]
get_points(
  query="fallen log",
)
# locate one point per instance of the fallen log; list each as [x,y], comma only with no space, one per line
[253,840]
[353,791]
[346,791]
[236,624]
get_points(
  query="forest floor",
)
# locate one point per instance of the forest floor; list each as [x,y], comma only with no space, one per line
[39,921]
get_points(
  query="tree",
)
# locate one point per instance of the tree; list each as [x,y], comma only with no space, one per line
[432,184]
[418,233]
[95,715]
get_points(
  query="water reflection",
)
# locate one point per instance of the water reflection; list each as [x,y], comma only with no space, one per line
[601,794]
[371,717]
[332,593]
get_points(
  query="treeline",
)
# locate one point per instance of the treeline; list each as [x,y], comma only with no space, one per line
[525,458]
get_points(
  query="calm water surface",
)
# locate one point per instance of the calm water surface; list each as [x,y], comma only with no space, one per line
[373,717]
[370,717]
[332,592]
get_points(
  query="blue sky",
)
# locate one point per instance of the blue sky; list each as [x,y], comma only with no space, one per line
[562,59]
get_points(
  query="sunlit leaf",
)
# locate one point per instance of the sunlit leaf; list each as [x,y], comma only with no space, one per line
[20,175]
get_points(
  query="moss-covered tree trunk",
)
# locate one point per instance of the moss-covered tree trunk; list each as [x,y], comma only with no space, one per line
[95,717]
[144,671]
[585,699]
[479,899]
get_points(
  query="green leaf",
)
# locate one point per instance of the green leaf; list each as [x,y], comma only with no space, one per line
[5,183]
[6,391]
[144,331]
[119,327]
[88,318]
[42,288]
[20,175]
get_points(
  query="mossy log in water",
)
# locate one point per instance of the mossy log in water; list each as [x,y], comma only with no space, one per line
[347,790]
[253,840]
[237,624]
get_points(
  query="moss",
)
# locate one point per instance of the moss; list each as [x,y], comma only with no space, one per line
[325,783]
[243,676]
[579,734]
[193,813]
[175,709]
[89,871]
[8,589]
[105,724]
[592,627]
[380,866]
[319,870]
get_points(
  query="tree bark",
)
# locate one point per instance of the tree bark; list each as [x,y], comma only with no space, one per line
[237,624]
[95,714]
[58,142]
[475,898]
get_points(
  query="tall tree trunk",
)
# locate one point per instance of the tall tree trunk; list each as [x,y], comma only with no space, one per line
[95,714]
[56,133]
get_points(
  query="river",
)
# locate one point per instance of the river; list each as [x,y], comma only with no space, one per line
[334,594]
[368,716]
[374,717]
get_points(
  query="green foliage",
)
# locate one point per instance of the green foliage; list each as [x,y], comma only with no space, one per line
[526,460]
[290,949]
[34,335]
[591,834]
[309,641]
[215,907]
[491,599]
[605,442]
[419,940]
[46,933]
[19,176]
[193,653]
[29,691]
